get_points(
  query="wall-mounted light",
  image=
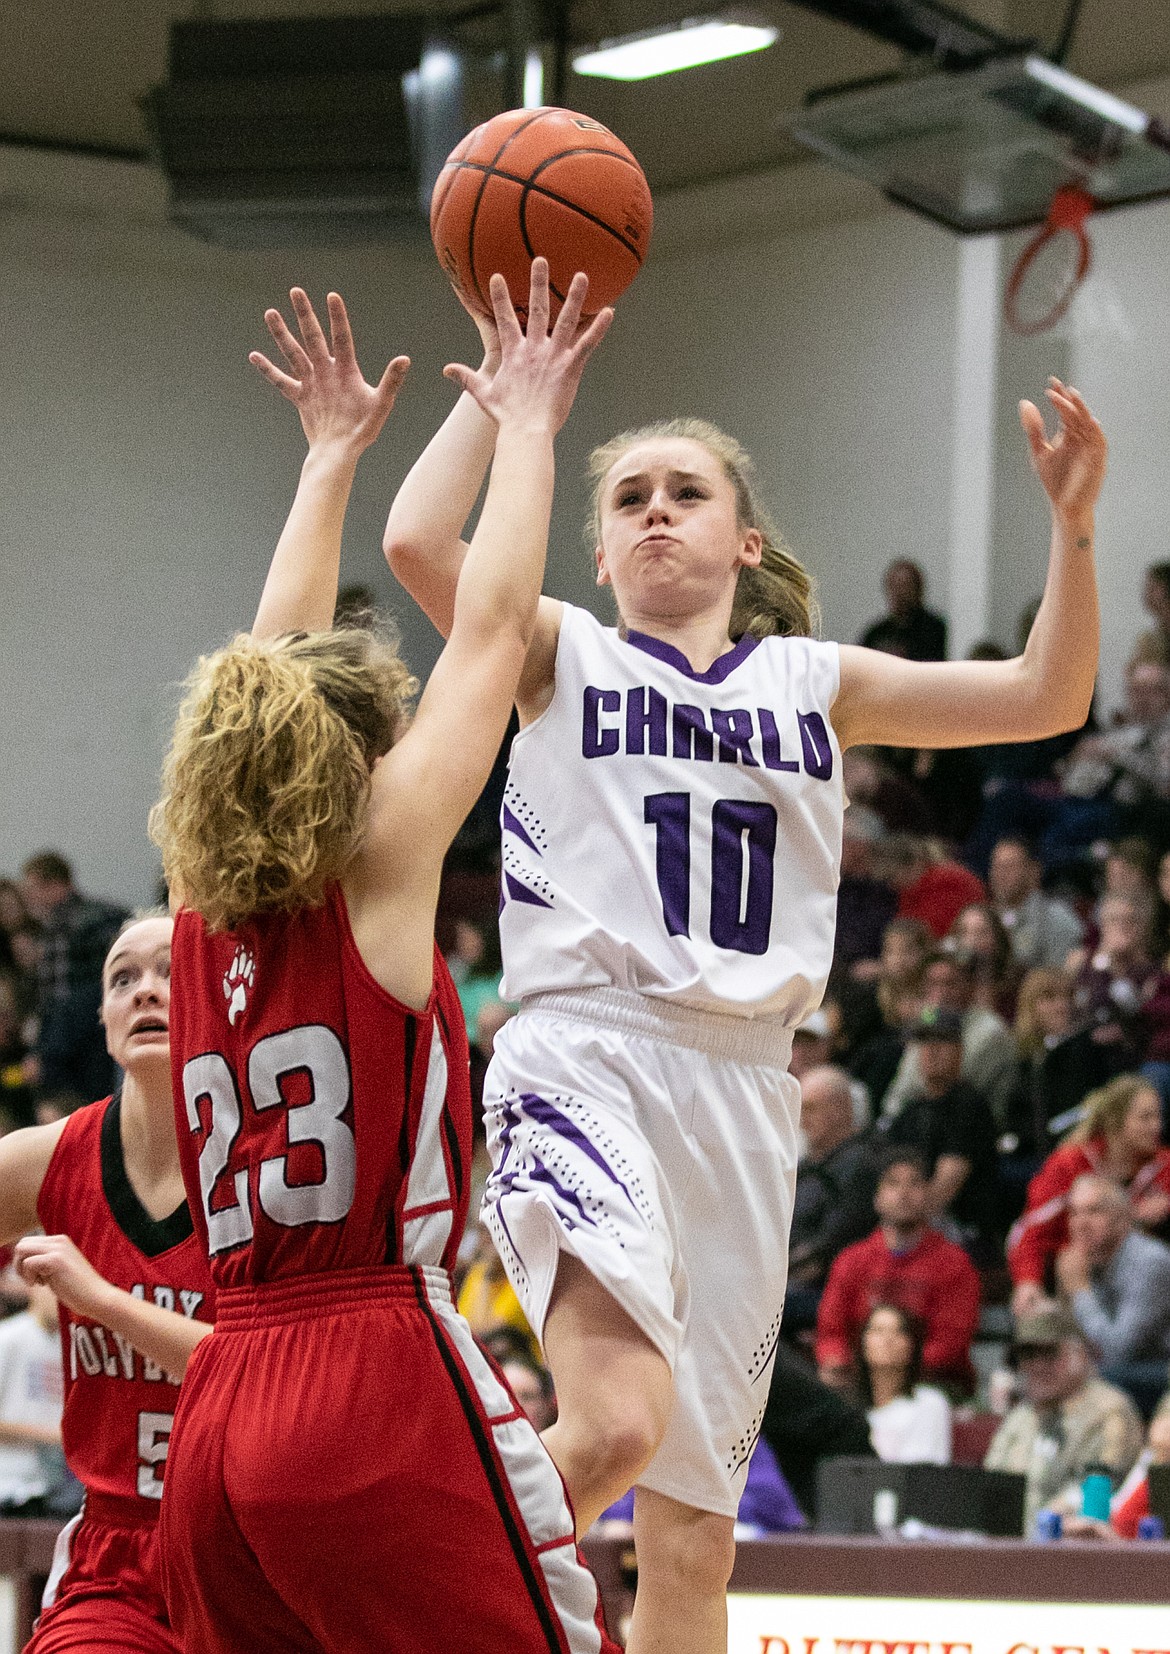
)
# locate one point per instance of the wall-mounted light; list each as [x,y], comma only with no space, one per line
[682,46]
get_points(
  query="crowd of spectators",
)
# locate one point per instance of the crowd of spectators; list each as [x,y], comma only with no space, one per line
[982,1209]
[994,1051]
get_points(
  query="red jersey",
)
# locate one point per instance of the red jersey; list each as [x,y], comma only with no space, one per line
[322,1124]
[119,1406]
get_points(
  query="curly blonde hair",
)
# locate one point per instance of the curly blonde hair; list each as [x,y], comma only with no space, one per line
[778,598]
[266,781]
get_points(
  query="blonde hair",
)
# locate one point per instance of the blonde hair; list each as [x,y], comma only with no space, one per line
[266,781]
[777,599]
[1041,982]
[1107,1107]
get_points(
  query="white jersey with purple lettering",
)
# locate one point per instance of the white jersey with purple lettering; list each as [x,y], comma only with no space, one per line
[676,833]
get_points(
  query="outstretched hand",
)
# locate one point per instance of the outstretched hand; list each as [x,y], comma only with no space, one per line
[1072,465]
[539,368]
[324,382]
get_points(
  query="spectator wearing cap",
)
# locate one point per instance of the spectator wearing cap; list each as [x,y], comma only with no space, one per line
[835,1185]
[989,1051]
[906,1263]
[70,1052]
[1117,1283]
[1068,1421]
[950,1125]
[1043,930]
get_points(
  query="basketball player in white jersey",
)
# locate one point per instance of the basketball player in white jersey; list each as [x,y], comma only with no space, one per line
[671,845]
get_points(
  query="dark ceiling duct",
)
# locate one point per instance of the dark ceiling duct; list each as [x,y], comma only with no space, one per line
[289,132]
[949,38]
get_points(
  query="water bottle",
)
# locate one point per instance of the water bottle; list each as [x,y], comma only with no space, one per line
[1151,1527]
[1096,1492]
[1049,1524]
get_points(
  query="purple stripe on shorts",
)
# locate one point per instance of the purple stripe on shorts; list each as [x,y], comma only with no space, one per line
[546,1114]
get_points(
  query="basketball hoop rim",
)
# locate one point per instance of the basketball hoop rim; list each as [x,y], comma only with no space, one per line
[1067,215]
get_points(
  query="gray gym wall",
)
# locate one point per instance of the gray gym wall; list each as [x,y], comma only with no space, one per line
[145,469]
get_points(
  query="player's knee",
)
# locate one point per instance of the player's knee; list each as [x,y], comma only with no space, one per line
[621,1435]
[692,1554]
[627,1441]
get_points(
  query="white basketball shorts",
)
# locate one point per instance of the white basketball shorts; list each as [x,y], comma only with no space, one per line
[658,1145]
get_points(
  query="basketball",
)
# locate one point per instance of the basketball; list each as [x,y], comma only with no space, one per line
[535,182]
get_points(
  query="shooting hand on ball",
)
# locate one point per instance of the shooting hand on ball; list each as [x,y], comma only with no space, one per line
[324,383]
[540,368]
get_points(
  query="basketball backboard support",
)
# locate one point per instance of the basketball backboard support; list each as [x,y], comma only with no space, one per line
[986,149]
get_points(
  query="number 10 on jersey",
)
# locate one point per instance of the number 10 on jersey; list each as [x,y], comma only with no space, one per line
[743,854]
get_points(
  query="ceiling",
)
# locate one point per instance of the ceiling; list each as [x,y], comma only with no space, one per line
[72,74]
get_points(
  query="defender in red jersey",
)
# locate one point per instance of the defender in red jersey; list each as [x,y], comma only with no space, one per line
[131,1275]
[347,1470]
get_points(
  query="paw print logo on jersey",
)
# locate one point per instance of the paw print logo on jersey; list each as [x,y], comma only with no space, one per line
[237,979]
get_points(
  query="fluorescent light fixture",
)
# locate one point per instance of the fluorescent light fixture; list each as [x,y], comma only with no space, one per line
[1089,96]
[533,79]
[662,51]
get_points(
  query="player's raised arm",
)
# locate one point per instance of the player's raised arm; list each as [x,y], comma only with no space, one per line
[435,773]
[162,1335]
[424,542]
[341,416]
[1046,690]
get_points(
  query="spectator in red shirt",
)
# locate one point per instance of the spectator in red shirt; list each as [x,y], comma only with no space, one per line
[907,1264]
[933,889]
[1119,1137]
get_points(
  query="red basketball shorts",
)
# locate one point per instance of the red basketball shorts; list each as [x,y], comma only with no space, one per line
[347,1472]
[105,1590]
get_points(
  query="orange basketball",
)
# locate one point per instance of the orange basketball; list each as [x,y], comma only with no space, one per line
[541,181]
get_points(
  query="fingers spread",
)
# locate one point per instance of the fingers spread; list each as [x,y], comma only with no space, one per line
[1033,422]
[569,319]
[309,325]
[391,381]
[288,346]
[538,299]
[286,386]
[593,334]
[504,311]
[339,330]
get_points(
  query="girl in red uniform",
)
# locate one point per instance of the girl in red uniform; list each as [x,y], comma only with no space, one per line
[1121,1137]
[106,1187]
[347,1472]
